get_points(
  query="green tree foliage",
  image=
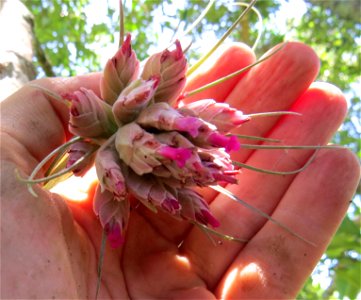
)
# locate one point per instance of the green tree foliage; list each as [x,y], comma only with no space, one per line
[333,29]
[68,41]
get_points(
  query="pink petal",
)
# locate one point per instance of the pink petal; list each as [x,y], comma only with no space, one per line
[126,46]
[171,205]
[230,143]
[205,217]
[179,155]
[188,124]
[114,235]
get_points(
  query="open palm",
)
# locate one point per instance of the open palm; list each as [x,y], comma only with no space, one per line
[50,246]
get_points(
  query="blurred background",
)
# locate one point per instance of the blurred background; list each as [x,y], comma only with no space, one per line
[68,37]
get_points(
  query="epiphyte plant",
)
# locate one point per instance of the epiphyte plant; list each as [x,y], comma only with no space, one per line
[148,146]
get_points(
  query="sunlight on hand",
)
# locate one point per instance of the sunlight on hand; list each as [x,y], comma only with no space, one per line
[76,188]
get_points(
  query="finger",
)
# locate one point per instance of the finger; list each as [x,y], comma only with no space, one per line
[273,85]
[154,265]
[323,108]
[224,61]
[275,264]
[37,121]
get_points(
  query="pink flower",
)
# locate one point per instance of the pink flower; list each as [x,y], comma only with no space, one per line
[209,138]
[162,116]
[201,167]
[113,215]
[179,155]
[109,172]
[119,71]
[152,192]
[136,148]
[171,67]
[221,115]
[194,208]
[90,117]
[142,151]
[230,143]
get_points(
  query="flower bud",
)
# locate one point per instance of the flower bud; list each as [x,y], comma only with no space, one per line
[136,148]
[90,117]
[151,192]
[221,115]
[113,215]
[230,143]
[76,152]
[108,170]
[141,151]
[133,99]
[208,138]
[171,67]
[194,208]
[162,116]
[119,72]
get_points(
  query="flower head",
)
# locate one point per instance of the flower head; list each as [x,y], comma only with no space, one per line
[150,149]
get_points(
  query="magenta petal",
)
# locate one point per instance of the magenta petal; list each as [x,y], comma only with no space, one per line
[114,235]
[179,155]
[171,205]
[205,217]
[233,144]
[188,124]
[229,143]
[178,52]
[126,46]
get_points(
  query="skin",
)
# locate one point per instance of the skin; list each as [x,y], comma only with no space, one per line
[50,245]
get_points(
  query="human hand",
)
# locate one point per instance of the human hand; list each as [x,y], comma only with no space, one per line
[50,245]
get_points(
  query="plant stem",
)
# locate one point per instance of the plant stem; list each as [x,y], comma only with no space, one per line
[221,40]
[100,263]
[229,76]
[273,113]
[121,23]
[256,138]
[47,158]
[242,165]
[275,147]
[260,212]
